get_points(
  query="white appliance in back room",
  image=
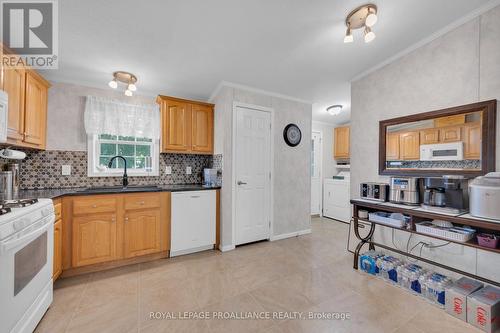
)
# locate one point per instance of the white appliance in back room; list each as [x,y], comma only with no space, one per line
[336,197]
[26,250]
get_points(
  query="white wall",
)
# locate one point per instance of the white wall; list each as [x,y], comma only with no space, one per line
[291,177]
[458,68]
[328,164]
[66,105]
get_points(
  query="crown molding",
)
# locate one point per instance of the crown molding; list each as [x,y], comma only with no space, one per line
[450,27]
[223,84]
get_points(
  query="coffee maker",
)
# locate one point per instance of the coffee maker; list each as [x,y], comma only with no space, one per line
[448,194]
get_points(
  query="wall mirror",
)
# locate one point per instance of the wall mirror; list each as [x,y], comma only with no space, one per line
[458,140]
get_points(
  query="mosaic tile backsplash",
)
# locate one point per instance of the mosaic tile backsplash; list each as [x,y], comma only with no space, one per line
[42,169]
[462,164]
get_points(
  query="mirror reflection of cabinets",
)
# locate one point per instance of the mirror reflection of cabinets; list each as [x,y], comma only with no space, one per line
[460,140]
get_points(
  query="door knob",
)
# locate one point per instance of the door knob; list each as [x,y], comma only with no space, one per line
[241,183]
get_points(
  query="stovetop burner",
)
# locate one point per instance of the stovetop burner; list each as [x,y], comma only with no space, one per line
[6,205]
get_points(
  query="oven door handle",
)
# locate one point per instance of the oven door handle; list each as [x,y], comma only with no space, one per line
[8,245]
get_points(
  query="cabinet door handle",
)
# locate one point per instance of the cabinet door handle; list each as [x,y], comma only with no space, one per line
[241,183]
[94,206]
[141,202]
[126,219]
[113,219]
[195,196]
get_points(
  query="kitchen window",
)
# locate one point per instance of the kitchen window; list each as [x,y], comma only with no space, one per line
[141,155]
[118,128]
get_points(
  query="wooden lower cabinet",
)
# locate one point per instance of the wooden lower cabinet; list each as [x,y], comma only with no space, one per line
[141,232]
[94,239]
[111,230]
[57,257]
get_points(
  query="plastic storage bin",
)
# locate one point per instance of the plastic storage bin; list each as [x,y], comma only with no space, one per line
[394,219]
[459,234]
[488,240]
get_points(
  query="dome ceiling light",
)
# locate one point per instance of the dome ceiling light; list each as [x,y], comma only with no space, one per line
[334,110]
[124,77]
[363,17]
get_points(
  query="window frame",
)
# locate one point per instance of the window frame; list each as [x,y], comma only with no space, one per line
[93,154]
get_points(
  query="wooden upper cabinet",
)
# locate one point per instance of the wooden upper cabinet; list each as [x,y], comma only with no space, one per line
[409,146]
[187,126]
[472,141]
[341,142]
[450,120]
[203,126]
[14,86]
[35,120]
[94,239]
[176,126]
[392,147]
[429,136]
[27,118]
[450,134]
[141,233]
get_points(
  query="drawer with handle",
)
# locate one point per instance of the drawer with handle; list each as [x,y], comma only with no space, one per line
[94,204]
[142,201]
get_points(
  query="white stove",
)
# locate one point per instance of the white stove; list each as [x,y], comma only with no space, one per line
[26,250]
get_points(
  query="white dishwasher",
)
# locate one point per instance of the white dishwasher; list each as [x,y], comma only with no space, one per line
[193,222]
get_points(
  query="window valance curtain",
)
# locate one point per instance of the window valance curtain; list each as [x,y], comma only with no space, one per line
[107,116]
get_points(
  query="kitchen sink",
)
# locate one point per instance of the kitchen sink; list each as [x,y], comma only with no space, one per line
[119,189]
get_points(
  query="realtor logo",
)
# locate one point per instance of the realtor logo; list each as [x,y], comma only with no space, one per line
[29,30]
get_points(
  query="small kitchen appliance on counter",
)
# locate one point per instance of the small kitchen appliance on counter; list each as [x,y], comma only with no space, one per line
[404,190]
[447,194]
[374,191]
[209,177]
[485,196]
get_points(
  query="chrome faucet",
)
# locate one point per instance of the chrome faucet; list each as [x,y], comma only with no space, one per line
[125,178]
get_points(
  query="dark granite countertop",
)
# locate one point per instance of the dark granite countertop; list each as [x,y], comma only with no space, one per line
[60,192]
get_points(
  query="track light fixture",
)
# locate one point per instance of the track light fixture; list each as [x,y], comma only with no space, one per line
[363,17]
[124,77]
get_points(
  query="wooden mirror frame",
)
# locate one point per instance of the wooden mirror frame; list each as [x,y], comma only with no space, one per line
[488,144]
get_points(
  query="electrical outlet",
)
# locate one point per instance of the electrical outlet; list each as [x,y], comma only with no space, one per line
[168,170]
[188,170]
[66,170]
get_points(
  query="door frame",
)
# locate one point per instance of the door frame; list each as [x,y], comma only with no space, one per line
[233,167]
[320,170]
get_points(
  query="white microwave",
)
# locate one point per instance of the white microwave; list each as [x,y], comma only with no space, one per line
[453,151]
[4,111]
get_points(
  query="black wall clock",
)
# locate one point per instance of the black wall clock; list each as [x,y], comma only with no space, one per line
[292,135]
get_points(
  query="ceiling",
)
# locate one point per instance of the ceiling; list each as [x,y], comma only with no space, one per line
[292,47]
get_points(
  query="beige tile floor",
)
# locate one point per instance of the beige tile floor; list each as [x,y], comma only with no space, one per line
[311,273]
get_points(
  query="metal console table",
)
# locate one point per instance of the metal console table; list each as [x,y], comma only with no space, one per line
[415,217]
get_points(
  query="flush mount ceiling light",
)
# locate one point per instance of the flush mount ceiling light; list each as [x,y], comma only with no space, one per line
[124,77]
[334,109]
[363,17]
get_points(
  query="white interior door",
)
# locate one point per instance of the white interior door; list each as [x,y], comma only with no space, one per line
[253,175]
[316,173]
